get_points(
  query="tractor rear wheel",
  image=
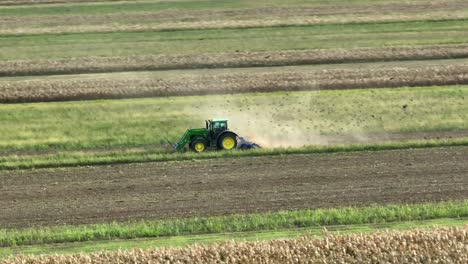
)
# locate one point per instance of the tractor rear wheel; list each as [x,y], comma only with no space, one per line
[227,141]
[198,145]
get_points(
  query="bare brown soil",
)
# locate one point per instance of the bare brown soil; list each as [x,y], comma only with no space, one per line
[203,82]
[442,245]
[227,186]
[229,60]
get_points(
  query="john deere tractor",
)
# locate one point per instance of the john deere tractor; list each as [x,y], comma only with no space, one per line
[214,136]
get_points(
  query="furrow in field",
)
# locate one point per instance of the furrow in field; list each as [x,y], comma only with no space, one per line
[228,81]
[228,60]
[229,186]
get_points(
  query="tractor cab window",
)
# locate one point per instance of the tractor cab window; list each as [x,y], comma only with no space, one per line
[219,126]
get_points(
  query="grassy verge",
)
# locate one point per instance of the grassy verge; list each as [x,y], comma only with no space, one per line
[298,118]
[185,240]
[234,223]
[77,158]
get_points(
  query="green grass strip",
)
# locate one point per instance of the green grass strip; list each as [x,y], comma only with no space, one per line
[234,223]
[139,123]
[80,158]
[196,41]
[206,239]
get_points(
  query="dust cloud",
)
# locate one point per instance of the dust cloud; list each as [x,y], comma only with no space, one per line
[272,124]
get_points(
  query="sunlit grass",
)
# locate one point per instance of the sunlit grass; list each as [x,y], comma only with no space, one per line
[234,223]
[81,158]
[196,41]
[305,115]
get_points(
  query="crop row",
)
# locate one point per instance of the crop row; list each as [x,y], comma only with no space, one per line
[229,60]
[442,245]
[132,85]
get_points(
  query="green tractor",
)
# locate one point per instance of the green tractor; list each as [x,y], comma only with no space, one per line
[214,136]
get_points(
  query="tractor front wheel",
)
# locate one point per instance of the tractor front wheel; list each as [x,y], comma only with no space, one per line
[227,141]
[198,145]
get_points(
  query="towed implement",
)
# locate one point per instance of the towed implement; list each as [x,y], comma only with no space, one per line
[215,136]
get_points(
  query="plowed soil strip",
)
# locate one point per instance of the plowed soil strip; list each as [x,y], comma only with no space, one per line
[227,81]
[219,187]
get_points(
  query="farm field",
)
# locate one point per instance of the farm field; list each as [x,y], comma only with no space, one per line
[231,60]
[229,81]
[314,118]
[213,238]
[231,40]
[226,186]
[360,106]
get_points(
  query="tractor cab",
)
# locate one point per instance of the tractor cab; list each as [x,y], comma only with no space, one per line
[216,126]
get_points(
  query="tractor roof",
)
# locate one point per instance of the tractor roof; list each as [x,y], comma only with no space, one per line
[218,120]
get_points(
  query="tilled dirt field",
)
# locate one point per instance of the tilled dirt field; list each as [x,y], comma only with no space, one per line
[227,186]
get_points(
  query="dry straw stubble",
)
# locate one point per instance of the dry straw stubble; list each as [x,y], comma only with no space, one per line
[443,245]
[245,15]
[228,60]
[184,83]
